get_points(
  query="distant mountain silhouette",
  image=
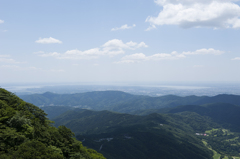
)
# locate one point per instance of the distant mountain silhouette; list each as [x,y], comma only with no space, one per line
[123,102]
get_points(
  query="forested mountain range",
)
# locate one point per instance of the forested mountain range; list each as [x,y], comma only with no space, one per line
[26,133]
[120,125]
[119,135]
[108,132]
[223,113]
[123,102]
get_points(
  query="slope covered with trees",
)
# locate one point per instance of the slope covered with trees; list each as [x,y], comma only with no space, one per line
[224,114]
[128,136]
[223,131]
[26,133]
[188,127]
[216,125]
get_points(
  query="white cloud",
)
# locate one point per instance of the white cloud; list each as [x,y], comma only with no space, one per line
[236,58]
[142,44]
[189,2]
[74,54]
[164,56]
[48,41]
[139,57]
[204,51]
[151,27]
[134,58]
[116,44]
[1,21]
[123,27]
[197,13]
[110,48]
[53,54]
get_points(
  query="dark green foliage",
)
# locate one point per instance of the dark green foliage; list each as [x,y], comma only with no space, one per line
[26,133]
[197,122]
[135,137]
[215,115]
[86,121]
[171,135]
[180,125]
[37,150]
[226,115]
[144,145]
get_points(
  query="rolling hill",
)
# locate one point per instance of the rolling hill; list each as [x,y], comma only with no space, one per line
[123,102]
[119,135]
[143,132]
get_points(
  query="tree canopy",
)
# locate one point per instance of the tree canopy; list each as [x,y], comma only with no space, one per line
[26,133]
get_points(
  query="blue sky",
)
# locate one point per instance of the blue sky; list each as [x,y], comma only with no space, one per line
[119,41]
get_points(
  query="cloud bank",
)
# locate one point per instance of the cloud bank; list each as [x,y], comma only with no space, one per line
[110,48]
[197,13]
[1,21]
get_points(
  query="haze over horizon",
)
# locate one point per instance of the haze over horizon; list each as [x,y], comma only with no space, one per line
[119,41]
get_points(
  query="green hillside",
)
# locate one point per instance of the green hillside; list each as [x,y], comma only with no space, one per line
[178,132]
[223,140]
[126,134]
[129,136]
[224,114]
[26,133]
